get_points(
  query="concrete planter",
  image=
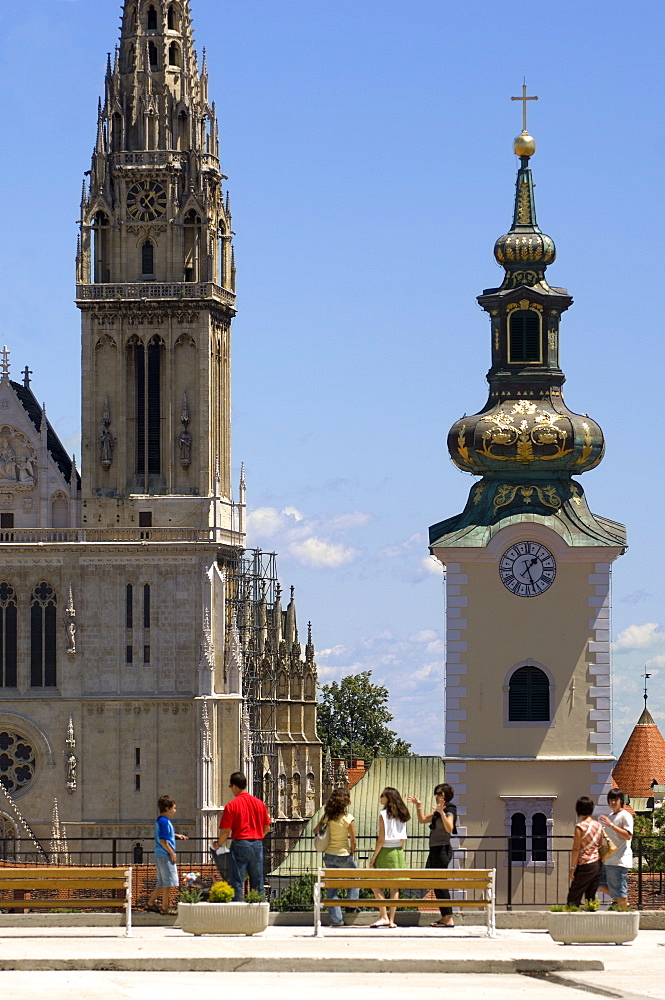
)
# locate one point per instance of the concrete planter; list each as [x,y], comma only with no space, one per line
[223,918]
[606,927]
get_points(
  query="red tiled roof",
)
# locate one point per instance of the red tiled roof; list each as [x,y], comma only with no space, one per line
[642,760]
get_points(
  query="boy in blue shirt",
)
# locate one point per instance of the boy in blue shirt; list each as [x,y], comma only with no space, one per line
[165,857]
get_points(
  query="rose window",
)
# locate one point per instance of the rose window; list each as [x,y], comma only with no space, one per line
[17,761]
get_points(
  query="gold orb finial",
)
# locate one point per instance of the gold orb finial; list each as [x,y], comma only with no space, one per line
[524,144]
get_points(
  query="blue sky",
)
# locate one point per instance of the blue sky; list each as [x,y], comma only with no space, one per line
[369,150]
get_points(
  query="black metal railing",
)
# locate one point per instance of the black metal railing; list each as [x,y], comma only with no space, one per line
[524,879]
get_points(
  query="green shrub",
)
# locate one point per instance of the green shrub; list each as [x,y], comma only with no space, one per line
[297,896]
[221,892]
[254,896]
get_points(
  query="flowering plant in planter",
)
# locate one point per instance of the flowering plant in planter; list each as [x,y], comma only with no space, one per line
[198,916]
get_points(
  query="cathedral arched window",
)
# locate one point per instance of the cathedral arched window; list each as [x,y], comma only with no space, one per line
[524,345]
[101,239]
[43,636]
[152,19]
[192,231]
[131,20]
[174,54]
[7,636]
[147,364]
[131,58]
[221,250]
[116,133]
[173,20]
[129,607]
[146,606]
[529,695]
[147,258]
[152,55]
[59,510]
[183,131]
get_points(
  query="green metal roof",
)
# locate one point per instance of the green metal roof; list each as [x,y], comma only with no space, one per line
[409,775]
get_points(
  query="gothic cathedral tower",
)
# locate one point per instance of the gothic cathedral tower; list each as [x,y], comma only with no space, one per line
[528,568]
[144,648]
[156,288]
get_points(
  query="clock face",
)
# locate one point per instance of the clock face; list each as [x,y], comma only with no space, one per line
[146,201]
[527,569]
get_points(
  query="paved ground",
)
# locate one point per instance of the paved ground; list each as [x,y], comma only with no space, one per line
[98,963]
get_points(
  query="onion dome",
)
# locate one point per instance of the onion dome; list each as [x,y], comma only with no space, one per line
[526,436]
[524,246]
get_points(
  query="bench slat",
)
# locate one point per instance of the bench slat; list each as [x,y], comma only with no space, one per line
[56,872]
[420,904]
[28,884]
[59,904]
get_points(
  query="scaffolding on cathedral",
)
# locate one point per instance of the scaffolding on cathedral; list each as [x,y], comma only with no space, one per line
[255,612]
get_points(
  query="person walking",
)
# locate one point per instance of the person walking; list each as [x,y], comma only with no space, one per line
[341,847]
[614,877]
[585,863]
[246,822]
[389,848]
[442,825]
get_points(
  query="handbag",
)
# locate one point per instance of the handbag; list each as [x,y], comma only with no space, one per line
[322,838]
[606,847]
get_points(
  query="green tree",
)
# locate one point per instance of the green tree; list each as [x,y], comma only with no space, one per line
[353,716]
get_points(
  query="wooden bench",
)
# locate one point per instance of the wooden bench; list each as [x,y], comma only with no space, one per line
[477,881]
[22,882]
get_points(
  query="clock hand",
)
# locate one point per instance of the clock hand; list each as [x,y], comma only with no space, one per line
[527,567]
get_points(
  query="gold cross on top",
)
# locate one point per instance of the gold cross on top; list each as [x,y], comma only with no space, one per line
[524,99]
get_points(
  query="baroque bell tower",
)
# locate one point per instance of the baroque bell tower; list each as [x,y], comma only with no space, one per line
[528,569]
[156,288]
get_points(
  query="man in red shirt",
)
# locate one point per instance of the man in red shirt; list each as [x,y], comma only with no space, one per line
[246,821]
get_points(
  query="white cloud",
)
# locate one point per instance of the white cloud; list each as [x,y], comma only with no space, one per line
[401,548]
[640,636]
[311,541]
[430,564]
[316,553]
[424,635]
[323,654]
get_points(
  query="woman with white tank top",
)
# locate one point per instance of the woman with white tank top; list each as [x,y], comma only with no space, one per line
[389,849]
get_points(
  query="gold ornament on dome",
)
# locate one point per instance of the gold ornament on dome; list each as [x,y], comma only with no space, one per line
[541,431]
[461,446]
[506,492]
[575,494]
[586,448]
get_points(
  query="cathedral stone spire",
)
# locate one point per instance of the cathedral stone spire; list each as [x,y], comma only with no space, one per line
[155,269]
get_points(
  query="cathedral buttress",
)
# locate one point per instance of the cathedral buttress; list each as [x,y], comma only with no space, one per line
[156,288]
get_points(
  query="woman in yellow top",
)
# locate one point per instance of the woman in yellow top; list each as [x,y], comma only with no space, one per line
[342,846]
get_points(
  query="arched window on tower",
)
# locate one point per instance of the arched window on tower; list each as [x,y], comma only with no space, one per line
[101,238]
[518,837]
[131,21]
[152,56]
[131,58]
[152,19]
[174,54]
[147,259]
[7,636]
[529,695]
[192,247]
[147,373]
[524,345]
[539,837]
[183,132]
[173,20]
[43,636]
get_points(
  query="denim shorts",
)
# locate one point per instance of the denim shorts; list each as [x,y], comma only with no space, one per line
[167,872]
[616,879]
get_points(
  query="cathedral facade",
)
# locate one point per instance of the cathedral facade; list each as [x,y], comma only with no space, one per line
[143,648]
[528,570]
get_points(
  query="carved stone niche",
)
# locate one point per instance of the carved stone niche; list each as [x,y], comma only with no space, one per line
[18,461]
